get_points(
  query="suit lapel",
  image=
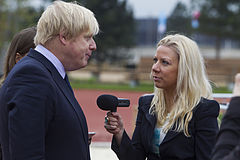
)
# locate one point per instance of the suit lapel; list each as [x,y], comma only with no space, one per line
[64,88]
[170,135]
[71,98]
[152,121]
[150,118]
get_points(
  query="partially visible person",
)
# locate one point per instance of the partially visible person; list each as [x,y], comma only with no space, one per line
[228,140]
[20,45]
[40,117]
[178,121]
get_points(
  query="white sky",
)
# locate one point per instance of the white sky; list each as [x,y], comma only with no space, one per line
[153,8]
[147,8]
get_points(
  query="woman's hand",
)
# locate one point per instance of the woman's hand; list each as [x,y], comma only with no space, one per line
[114,124]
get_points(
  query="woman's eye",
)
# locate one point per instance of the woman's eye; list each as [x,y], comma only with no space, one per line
[165,62]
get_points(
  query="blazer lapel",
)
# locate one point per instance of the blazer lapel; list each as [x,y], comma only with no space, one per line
[64,88]
[150,118]
[170,135]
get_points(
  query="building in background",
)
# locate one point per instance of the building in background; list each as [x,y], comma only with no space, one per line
[221,71]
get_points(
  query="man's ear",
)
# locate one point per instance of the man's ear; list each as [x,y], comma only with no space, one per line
[62,38]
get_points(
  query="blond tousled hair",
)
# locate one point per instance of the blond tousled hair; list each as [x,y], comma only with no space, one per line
[192,84]
[67,17]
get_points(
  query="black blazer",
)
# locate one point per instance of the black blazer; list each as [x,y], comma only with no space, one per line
[40,119]
[228,140]
[203,129]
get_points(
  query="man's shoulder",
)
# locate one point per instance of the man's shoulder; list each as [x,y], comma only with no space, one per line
[27,65]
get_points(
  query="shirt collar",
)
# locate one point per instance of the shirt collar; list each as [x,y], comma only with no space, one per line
[52,58]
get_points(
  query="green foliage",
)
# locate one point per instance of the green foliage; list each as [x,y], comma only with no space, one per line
[220,18]
[220,116]
[15,15]
[180,20]
[3,24]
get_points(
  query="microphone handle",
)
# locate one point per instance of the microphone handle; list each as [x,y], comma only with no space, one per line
[122,102]
[114,109]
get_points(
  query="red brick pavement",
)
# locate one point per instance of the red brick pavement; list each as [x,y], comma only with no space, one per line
[95,116]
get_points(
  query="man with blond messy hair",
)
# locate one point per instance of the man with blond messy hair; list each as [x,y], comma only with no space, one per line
[40,119]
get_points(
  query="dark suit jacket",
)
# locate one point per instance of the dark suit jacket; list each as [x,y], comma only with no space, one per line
[203,129]
[228,140]
[39,115]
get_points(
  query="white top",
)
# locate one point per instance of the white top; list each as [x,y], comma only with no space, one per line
[158,136]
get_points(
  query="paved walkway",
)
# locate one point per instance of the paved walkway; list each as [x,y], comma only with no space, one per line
[102,151]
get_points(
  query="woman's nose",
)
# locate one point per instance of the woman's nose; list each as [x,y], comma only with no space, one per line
[156,67]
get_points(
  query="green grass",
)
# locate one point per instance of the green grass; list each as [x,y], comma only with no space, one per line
[221,90]
[142,87]
[92,84]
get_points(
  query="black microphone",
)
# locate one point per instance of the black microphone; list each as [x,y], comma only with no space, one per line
[109,102]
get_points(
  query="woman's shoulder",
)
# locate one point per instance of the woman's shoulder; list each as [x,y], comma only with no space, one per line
[145,99]
[206,101]
[207,106]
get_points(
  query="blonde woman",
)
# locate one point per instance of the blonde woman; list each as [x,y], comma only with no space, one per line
[178,121]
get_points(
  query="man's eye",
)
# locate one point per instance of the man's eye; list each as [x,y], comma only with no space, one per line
[155,60]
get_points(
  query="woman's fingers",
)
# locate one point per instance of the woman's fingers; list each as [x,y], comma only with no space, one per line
[113,122]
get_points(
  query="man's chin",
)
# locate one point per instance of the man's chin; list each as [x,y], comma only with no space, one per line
[76,68]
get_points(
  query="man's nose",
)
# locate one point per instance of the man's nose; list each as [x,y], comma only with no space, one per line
[93,45]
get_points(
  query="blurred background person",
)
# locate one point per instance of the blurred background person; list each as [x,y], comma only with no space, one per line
[228,140]
[21,43]
[178,121]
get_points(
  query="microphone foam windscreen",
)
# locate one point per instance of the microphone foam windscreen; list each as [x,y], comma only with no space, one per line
[107,102]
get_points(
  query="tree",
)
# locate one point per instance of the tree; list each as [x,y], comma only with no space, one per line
[14,16]
[3,24]
[219,18]
[117,31]
[180,20]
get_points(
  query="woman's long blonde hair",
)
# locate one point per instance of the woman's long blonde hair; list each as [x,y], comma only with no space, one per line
[192,84]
